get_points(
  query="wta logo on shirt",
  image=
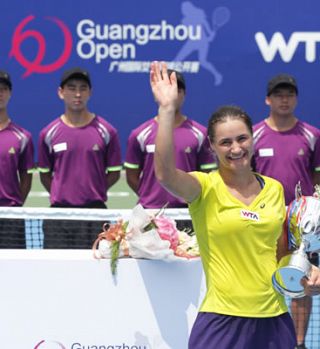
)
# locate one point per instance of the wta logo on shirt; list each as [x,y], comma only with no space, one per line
[253,216]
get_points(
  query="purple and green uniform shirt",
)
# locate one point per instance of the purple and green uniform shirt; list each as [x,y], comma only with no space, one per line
[79,158]
[192,152]
[16,155]
[290,156]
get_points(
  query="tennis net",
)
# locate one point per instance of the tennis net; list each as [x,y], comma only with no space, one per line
[76,228]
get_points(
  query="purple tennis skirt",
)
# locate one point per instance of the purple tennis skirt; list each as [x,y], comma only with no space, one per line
[217,331]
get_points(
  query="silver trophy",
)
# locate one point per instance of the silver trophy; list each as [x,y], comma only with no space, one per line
[303,231]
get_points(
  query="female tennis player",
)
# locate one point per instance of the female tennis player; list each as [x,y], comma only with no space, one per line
[238,217]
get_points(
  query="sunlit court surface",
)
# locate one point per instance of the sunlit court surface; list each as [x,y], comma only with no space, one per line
[119,196]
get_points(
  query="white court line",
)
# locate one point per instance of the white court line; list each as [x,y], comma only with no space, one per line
[44,194]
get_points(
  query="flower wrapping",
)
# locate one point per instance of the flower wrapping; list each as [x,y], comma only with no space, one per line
[144,236]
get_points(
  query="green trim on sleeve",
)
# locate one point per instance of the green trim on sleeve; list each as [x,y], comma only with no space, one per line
[43,170]
[113,168]
[133,166]
[32,170]
[317,169]
[212,166]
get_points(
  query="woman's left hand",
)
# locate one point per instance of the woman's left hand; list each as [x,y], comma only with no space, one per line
[312,284]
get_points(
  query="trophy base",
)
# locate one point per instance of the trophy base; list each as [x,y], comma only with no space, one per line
[286,280]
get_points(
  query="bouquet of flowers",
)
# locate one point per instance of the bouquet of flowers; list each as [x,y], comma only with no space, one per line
[144,236]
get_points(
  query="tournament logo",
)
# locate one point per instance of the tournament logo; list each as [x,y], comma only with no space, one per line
[49,345]
[36,65]
[119,44]
[195,16]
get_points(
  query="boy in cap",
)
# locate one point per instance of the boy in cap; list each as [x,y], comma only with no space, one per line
[79,160]
[17,164]
[288,150]
[192,153]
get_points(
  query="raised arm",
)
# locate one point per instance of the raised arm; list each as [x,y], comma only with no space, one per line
[165,92]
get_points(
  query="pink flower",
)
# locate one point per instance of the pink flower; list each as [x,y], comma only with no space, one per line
[167,230]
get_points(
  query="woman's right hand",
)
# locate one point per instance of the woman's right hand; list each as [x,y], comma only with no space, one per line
[164,88]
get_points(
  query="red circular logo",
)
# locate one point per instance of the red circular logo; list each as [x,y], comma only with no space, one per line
[43,344]
[35,66]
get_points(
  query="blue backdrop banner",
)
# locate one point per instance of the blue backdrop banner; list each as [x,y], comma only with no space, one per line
[227,51]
